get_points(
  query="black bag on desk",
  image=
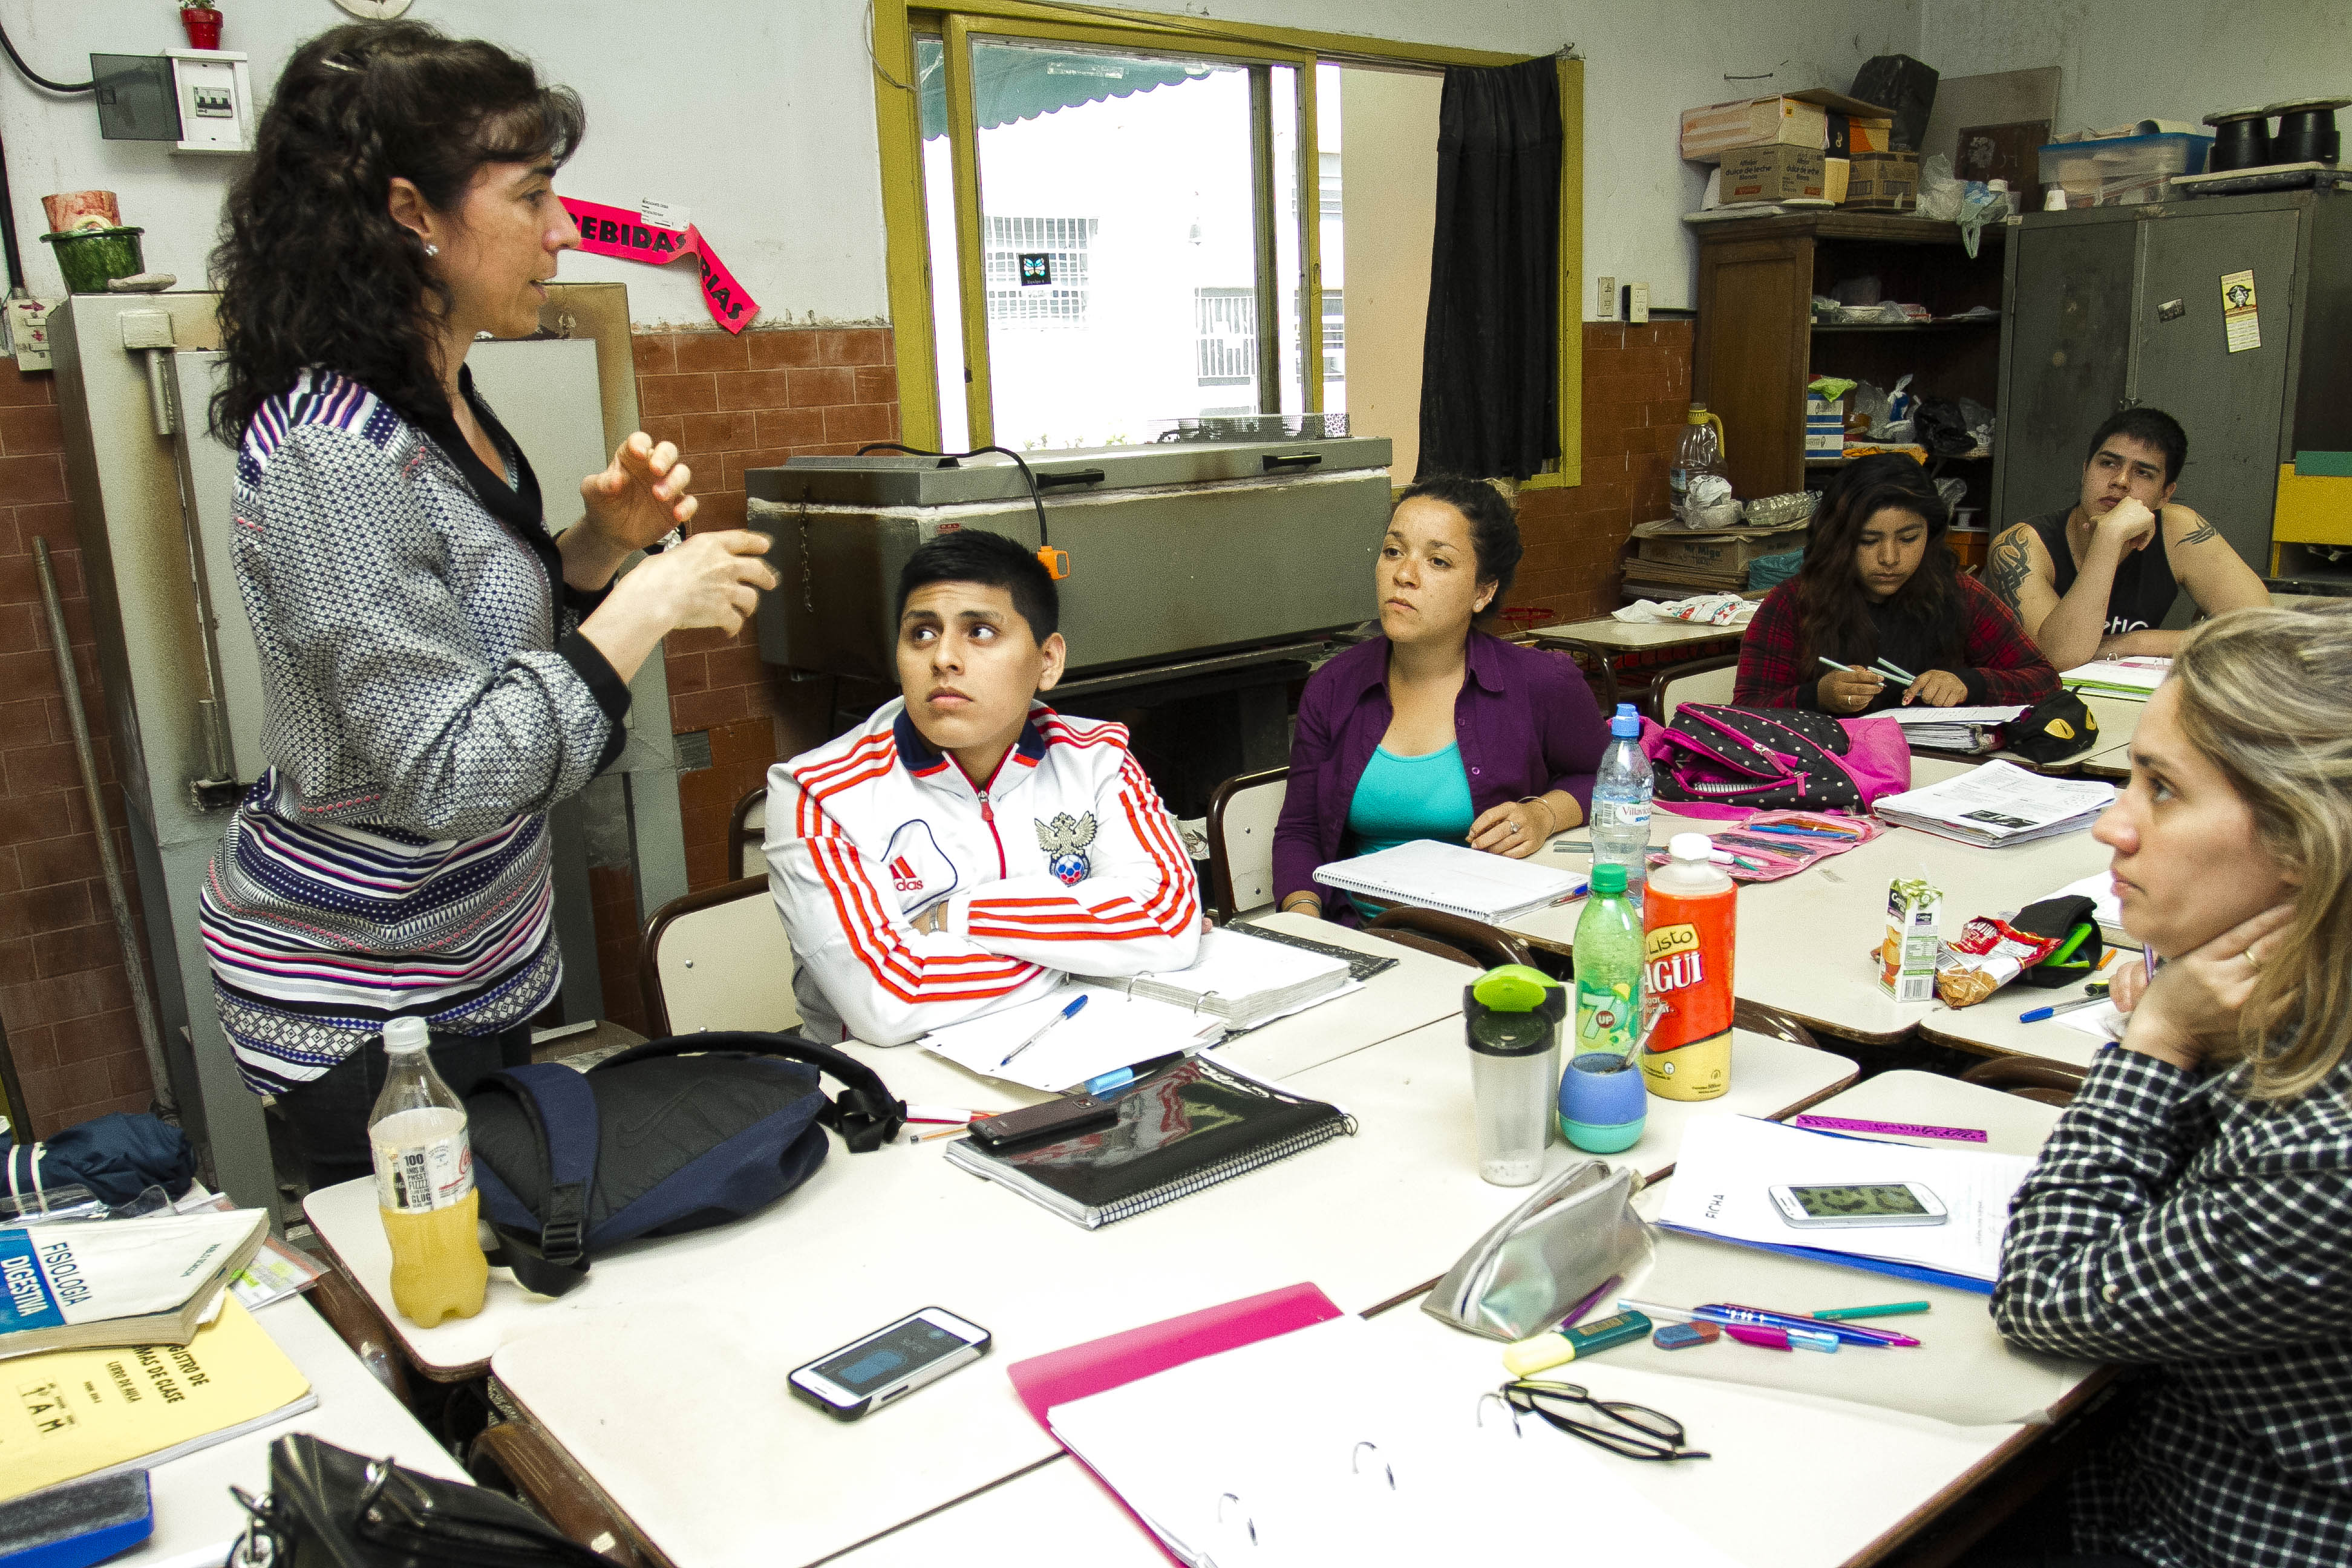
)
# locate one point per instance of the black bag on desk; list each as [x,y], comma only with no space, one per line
[330,1507]
[2058,727]
[675,1135]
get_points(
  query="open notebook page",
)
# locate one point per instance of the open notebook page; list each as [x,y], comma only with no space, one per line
[1111,1031]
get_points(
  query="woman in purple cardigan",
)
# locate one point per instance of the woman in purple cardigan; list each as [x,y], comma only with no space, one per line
[1435,729]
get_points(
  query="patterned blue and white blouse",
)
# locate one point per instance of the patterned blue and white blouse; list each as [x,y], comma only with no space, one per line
[429,698]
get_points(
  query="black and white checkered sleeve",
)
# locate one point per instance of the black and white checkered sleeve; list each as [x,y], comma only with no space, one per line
[2143,1237]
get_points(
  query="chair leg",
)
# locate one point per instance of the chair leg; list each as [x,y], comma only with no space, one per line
[544,1476]
[355,1318]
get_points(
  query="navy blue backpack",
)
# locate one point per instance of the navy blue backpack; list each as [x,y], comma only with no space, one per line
[675,1135]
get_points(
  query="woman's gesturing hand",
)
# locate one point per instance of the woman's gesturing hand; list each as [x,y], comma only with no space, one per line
[1514,829]
[641,494]
[1849,690]
[2190,1011]
[711,580]
[1937,688]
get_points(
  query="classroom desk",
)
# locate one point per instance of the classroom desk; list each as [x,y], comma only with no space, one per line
[1420,990]
[196,1518]
[687,1421]
[1554,929]
[1990,1027]
[1759,1500]
[1609,636]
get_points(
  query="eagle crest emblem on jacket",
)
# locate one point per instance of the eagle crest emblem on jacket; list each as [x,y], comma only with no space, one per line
[1065,841]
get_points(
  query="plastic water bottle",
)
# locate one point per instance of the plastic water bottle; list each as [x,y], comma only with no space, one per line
[424,1154]
[1621,803]
[1602,1100]
[1699,451]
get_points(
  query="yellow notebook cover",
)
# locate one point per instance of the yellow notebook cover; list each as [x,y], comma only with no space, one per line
[67,1413]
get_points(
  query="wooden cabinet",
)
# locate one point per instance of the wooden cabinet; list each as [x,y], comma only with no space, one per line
[1757,346]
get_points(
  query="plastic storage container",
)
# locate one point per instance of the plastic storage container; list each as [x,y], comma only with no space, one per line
[2122,171]
[1511,1016]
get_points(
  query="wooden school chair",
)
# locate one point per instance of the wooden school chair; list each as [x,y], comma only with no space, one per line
[1700,681]
[717,959]
[1453,937]
[746,834]
[1757,1018]
[2029,1078]
[518,1458]
[1241,813]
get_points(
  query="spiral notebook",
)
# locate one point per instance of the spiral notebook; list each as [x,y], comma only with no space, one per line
[1187,1127]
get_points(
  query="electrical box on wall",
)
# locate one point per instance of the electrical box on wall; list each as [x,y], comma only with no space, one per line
[199,100]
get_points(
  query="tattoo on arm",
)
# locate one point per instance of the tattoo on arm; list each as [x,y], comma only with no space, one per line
[2201,533]
[2010,565]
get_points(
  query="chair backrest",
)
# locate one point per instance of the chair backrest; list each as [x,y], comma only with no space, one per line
[2029,1078]
[717,959]
[1700,681]
[1241,814]
[747,835]
[1759,1018]
[1473,943]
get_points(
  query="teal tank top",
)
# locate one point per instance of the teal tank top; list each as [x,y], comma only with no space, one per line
[1400,799]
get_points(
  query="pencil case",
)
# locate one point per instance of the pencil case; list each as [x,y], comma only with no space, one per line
[1555,1248]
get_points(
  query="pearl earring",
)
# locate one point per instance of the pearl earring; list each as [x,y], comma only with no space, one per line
[431,249]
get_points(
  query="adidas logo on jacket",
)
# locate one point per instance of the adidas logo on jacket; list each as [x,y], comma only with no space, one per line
[1064,862]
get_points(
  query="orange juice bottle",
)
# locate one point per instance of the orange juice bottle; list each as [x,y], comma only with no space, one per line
[1689,924]
[425,1184]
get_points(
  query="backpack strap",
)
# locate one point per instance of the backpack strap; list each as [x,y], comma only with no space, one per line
[562,1111]
[866,1113]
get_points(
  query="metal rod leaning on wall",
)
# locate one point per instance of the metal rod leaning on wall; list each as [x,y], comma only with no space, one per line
[142,1004]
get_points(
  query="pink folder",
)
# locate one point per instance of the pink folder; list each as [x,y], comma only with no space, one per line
[1060,1376]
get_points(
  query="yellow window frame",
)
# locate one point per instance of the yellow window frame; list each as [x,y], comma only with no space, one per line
[898,125]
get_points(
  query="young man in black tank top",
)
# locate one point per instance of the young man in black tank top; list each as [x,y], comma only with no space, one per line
[2098,580]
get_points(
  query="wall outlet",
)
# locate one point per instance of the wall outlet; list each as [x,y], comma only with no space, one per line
[28,333]
[1637,304]
[1604,298]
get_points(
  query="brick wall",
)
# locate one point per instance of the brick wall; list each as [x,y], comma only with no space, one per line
[65,997]
[1637,384]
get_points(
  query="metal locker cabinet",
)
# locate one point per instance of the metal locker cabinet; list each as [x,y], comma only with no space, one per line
[2231,404]
[2065,360]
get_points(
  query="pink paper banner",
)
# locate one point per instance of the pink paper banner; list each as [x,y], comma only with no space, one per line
[616,231]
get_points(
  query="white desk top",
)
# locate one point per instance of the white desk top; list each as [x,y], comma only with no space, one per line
[1420,990]
[196,1518]
[1758,1499]
[1992,1026]
[1610,635]
[690,1402]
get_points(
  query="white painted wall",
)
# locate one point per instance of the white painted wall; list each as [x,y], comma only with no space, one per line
[759,115]
[2132,59]
[756,114]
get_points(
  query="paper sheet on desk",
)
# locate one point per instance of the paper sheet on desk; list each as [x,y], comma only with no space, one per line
[1962,1371]
[1111,1031]
[1729,1163]
[1907,717]
[1268,1455]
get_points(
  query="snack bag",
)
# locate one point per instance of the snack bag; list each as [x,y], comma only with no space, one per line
[1989,954]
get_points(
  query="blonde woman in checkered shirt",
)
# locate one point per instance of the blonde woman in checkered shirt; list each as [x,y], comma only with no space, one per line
[2192,1213]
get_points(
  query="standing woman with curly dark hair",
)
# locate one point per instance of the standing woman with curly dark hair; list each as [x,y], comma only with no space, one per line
[1879,582]
[440,668]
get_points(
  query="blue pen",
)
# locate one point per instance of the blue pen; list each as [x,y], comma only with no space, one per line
[2036,1015]
[1851,1333]
[1050,1024]
[1119,1078]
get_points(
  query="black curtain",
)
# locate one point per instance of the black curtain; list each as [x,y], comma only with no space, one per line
[1490,354]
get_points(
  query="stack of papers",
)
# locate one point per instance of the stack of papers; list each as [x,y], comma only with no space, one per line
[1728,1165]
[1452,878]
[1998,803]
[2136,677]
[1952,729]
[1243,979]
[1111,1031]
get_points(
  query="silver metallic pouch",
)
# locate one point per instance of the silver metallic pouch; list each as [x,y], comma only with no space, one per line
[1555,1248]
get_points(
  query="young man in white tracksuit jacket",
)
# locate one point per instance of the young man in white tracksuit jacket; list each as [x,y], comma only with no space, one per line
[968,847]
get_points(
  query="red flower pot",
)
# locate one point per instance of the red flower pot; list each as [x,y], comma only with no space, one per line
[203,25]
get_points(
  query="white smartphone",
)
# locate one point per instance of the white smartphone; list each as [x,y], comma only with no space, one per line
[1858,1204]
[868,1374]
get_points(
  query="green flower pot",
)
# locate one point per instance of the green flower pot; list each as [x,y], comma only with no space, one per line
[88,256]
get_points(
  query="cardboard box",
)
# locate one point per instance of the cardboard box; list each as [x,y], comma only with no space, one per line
[1883,182]
[1867,135]
[1906,959]
[1714,552]
[1824,425]
[1771,175]
[1835,172]
[1790,120]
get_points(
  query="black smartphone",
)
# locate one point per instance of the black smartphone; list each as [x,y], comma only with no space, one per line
[1065,1117]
